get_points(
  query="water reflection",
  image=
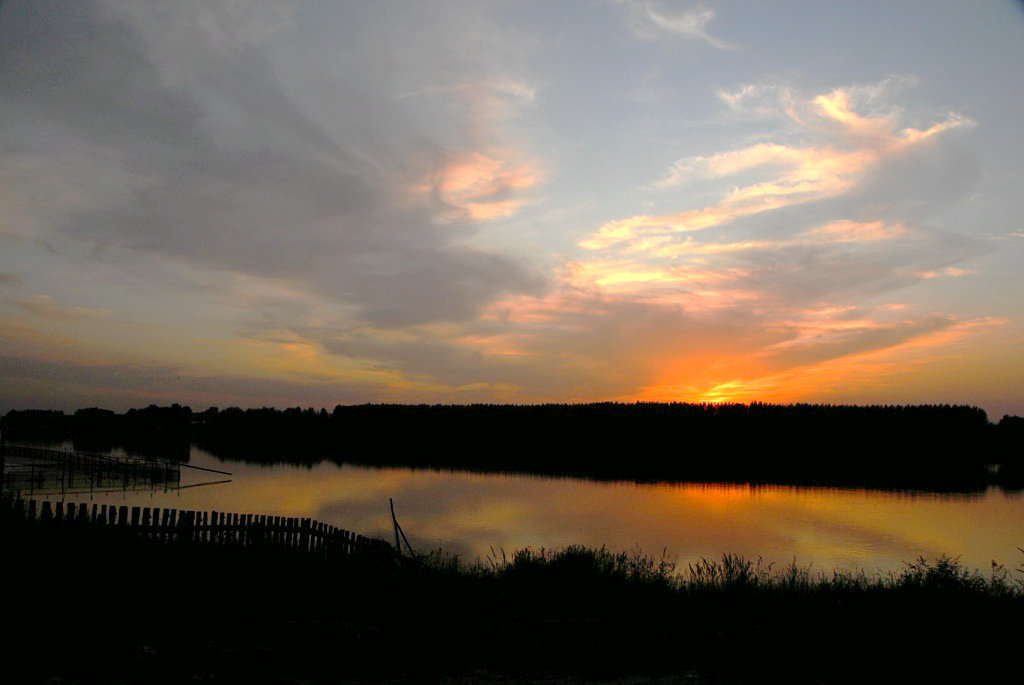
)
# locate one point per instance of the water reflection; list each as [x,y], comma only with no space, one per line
[472,514]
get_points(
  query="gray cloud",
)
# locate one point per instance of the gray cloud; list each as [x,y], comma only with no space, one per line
[45,307]
[595,348]
[229,165]
[67,385]
[310,173]
[654,20]
[836,345]
[800,275]
[10,280]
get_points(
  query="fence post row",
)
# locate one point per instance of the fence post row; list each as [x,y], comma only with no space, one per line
[171,526]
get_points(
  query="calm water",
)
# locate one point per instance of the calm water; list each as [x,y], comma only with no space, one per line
[471,514]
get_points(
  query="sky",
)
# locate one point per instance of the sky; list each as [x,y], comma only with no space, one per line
[260,203]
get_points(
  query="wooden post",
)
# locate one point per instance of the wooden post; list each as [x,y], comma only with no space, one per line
[172,520]
[394,523]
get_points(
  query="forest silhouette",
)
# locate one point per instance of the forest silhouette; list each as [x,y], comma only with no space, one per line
[942,448]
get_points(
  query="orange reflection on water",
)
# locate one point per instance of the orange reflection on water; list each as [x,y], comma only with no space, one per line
[473,514]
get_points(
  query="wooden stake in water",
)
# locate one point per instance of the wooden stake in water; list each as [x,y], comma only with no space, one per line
[394,522]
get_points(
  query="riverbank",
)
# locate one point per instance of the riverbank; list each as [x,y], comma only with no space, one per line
[91,610]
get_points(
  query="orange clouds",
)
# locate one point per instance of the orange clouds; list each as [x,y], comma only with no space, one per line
[854,231]
[836,106]
[782,296]
[784,311]
[797,175]
[844,231]
[950,271]
[478,186]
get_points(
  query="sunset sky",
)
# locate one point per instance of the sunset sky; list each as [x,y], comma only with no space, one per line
[313,203]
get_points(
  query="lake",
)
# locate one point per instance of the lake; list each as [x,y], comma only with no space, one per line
[479,515]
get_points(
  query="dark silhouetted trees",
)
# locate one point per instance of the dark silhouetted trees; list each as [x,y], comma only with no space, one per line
[934,447]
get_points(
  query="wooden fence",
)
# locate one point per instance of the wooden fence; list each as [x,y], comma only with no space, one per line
[183,527]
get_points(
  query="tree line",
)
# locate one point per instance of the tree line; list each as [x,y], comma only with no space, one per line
[935,447]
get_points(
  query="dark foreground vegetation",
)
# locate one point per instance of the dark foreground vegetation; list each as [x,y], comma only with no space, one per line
[96,608]
[926,447]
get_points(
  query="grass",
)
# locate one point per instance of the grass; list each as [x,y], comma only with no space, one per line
[164,614]
[945,576]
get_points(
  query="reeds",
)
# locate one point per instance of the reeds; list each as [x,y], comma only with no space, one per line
[576,612]
[732,573]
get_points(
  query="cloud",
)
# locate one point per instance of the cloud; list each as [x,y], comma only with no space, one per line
[46,307]
[190,132]
[950,271]
[69,385]
[870,363]
[843,231]
[829,212]
[817,341]
[10,280]
[782,101]
[795,175]
[855,231]
[296,201]
[477,187]
[652,21]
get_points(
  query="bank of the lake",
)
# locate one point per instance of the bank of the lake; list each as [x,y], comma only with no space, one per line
[855,606]
[471,514]
[96,609]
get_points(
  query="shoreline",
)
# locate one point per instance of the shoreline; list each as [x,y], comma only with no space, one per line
[104,609]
